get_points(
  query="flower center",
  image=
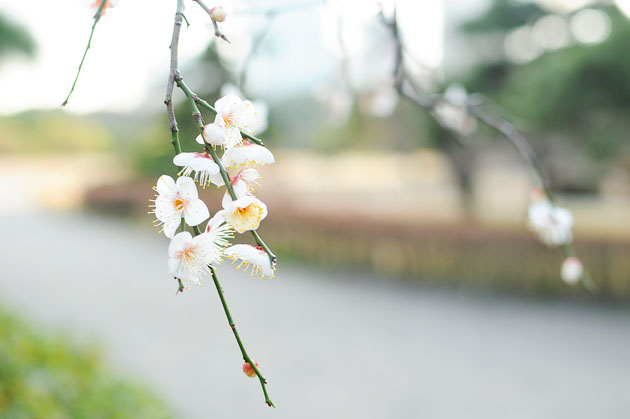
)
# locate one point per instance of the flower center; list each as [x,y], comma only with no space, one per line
[178,204]
[228,120]
[244,211]
[187,255]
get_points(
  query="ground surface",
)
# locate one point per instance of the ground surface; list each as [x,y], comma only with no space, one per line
[333,345]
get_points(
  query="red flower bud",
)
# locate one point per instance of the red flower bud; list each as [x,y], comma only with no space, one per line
[248,370]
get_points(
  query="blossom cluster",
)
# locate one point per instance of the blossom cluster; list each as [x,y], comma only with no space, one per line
[177,203]
[552,225]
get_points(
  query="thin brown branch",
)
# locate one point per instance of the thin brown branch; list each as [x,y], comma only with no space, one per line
[172,75]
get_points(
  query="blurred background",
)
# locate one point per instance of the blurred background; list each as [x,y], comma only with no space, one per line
[408,284]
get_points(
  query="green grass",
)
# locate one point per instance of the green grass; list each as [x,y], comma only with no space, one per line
[46,376]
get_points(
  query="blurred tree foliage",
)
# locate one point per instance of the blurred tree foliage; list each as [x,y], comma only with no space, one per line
[504,15]
[14,38]
[580,93]
[48,377]
[52,132]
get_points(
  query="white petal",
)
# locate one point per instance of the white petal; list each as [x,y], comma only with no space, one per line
[233,136]
[166,186]
[240,189]
[204,164]
[199,139]
[196,212]
[264,209]
[170,227]
[235,156]
[164,209]
[183,159]
[186,188]
[227,201]
[179,242]
[261,154]
[173,266]
[217,179]
[244,116]
[226,104]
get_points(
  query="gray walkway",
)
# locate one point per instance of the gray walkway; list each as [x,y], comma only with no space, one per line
[332,345]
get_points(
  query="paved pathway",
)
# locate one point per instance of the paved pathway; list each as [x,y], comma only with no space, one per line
[333,345]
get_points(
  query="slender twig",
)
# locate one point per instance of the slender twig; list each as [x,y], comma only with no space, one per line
[175,78]
[513,136]
[217,31]
[97,17]
[261,378]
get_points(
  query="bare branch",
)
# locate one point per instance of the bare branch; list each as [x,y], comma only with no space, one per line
[174,71]
[476,106]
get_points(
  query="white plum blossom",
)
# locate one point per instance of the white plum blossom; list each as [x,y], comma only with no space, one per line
[261,106]
[189,257]
[245,213]
[572,270]
[242,181]
[201,164]
[234,115]
[246,154]
[551,224]
[253,257]
[176,200]
[219,232]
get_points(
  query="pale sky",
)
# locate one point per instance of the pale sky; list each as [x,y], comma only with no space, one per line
[129,56]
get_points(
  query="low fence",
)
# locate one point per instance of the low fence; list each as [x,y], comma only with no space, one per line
[463,254]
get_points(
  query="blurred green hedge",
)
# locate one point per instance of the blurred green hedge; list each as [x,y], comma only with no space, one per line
[43,376]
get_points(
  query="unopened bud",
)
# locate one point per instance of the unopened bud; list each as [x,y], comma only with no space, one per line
[572,270]
[248,370]
[218,14]
[214,134]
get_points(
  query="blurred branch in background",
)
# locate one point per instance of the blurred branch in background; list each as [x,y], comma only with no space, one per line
[474,106]
[102,7]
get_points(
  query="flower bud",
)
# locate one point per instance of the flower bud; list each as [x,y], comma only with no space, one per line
[218,14]
[248,370]
[214,134]
[572,270]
